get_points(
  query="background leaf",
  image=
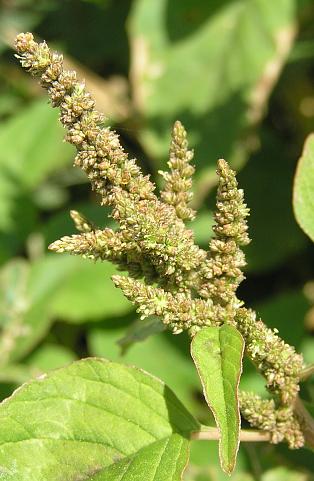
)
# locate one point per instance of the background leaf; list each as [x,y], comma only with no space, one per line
[217,89]
[221,62]
[94,420]
[24,306]
[217,354]
[303,194]
[88,293]
[31,149]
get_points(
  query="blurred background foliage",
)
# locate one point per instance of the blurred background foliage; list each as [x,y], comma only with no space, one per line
[239,75]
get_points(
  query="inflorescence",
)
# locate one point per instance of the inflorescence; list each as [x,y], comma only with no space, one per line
[169,276]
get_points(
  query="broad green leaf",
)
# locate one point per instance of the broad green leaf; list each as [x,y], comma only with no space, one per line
[163,461]
[217,353]
[158,355]
[211,65]
[31,148]
[303,193]
[94,421]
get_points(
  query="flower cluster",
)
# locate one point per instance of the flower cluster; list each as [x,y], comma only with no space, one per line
[178,311]
[177,190]
[275,359]
[146,224]
[280,422]
[221,273]
[169,276]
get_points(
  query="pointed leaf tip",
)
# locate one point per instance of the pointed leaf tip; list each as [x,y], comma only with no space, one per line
[217,353]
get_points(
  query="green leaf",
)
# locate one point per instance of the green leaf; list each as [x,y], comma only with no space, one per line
[217,353]
[27,294]
[24,315]
[163,461]
[207,64]
[307,349]
[156,355]
[303,192]
[94,420]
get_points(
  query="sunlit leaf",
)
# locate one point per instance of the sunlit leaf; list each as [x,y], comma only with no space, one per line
[217,353]
[158,354]
[94,420]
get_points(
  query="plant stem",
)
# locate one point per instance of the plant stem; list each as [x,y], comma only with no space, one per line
[307,372]
[306,421]
[246,435]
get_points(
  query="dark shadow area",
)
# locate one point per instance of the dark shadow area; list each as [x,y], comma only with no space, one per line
[95,36]
[267,181]
[212,135]
[22,216]
[183,18]
[302,458]
[289,275]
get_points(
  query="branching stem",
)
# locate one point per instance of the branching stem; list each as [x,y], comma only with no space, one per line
[307,372]
[306,421]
